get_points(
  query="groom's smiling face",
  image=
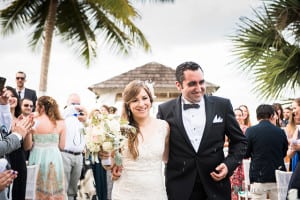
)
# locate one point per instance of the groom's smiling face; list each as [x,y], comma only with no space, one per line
[193,85]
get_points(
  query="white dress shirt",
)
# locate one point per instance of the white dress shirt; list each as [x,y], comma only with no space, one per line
[194,120]
[75,141]
[22,93]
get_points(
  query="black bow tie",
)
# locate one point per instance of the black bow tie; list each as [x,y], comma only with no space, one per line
[188,106]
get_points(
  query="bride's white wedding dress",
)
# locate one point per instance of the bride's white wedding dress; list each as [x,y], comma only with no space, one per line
[143,179]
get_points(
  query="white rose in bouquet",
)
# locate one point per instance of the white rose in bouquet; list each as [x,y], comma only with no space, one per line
[107,146]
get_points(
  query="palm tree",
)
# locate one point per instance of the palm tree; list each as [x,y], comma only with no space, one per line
[78,22]
[268,46]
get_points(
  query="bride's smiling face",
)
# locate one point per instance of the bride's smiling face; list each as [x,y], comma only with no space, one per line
[140,105]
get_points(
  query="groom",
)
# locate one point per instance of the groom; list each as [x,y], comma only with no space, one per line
[196,168]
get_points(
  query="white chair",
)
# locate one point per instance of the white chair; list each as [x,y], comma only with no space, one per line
[246,167]
[282,182]
[32,174]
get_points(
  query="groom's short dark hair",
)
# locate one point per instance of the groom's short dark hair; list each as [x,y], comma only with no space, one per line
[183,67]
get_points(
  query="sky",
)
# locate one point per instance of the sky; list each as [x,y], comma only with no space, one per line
[187,30]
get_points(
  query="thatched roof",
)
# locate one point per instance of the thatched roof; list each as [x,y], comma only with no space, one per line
[162,76]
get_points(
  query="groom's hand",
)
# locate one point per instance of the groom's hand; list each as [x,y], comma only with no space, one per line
[220,172]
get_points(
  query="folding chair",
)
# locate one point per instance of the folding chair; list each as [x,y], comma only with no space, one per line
[246,167]
[32,174]
[282,182]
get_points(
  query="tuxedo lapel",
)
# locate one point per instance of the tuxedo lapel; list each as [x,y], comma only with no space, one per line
[179,120]
[209,113]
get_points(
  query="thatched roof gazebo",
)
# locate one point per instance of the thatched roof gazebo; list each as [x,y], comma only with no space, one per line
[162,76]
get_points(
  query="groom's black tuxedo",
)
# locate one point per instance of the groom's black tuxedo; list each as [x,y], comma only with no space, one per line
[184,164]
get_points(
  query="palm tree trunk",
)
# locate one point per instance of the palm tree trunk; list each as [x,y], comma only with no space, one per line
[48,31]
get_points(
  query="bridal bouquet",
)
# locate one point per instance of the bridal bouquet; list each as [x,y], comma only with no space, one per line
[107,132]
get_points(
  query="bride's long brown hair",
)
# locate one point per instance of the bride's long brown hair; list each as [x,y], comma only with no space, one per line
[129,94]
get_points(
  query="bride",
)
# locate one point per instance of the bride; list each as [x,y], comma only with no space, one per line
[141,176]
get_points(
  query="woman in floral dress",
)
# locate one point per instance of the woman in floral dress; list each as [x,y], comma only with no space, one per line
[237,177]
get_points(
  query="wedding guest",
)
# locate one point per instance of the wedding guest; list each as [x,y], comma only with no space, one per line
[278,108]
[267,147]
[286,115]
[102,177]
[19,130]
[26,110]
[99,173]
[237,177]
[26,107]
[10,142]
[246,115]
[112,110]
[295,147]
[145,152]
[291,131]
[47,137]
[104,109]
[75,115]
[17,158]
[197,168]
[22,91]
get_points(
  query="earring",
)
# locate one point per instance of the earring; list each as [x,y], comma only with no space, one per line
[129,113]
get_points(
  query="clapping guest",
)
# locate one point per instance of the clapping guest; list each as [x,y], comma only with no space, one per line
[26,110]
[17,158]
[18,132]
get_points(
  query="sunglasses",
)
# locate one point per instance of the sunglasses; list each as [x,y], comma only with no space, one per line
[28,105]
[21,78]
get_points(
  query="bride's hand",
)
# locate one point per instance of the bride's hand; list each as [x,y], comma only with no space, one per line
[116,172]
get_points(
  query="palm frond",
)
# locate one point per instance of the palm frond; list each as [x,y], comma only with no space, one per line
[261,48]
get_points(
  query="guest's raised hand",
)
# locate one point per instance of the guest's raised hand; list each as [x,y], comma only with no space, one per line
[4,97]
[23,126]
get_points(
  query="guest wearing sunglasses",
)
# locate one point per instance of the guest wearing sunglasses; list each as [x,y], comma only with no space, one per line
[26,107]
[22,91]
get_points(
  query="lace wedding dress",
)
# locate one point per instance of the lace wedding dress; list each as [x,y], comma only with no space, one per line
[143,179]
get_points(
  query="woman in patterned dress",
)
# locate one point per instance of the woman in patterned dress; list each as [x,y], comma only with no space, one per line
[237,177]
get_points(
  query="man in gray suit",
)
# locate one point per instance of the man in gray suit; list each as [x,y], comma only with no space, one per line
[22,91]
